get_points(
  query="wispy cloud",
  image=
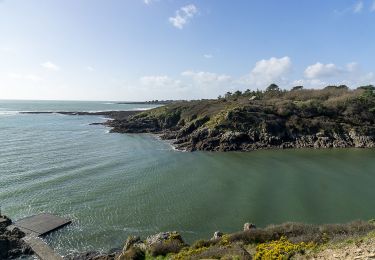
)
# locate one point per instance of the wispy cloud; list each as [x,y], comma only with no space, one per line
[89,68]
[148,2]
[183,16]
[203,77]
[373,6]
[50,66]
[358,7]
[160,81]
[208,56]
[31,77]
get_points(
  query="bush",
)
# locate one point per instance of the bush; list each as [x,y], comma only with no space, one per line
[164,248]
[133,253]
[298,232]
[281,249]
[202,243]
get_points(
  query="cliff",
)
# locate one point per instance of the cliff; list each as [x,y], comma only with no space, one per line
[334,117]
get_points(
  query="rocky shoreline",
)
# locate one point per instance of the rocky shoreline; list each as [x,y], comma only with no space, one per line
[195,136]
[114,114]
[227,140]
[11,244]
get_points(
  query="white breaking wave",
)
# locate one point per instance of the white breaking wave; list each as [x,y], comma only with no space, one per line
[8,113]
[141,108]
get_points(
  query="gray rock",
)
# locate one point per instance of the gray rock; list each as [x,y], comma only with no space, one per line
[161,237]
[248,226]
[217,235]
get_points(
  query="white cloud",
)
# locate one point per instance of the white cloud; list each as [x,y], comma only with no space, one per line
[50,66]
[31,77]
[89,68]
[208,56]
[160,82]
[373,6]
[160,87]
[203,77]
[319,75]
[309,83]
[320,70]
[358,7]
[183,16]
[265,72]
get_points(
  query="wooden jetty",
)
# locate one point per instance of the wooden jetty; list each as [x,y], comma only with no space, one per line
[37,226]
[41,224]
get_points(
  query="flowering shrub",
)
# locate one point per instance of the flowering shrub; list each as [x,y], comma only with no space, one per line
[280,249]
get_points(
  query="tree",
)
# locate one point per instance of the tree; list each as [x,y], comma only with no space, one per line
[343,87]
[368,87]
[228,94]
[337,87]
[237,93]
[272,87]
[297,88]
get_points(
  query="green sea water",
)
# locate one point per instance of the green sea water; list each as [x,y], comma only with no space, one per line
[115,185]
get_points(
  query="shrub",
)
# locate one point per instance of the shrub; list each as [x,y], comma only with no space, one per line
[202,243]
[164,248]
[298,232]
[133,253]
[281,249]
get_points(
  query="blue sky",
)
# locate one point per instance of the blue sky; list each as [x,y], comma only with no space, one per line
[171,49]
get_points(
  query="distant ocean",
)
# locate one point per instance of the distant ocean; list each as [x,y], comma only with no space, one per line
[114,185]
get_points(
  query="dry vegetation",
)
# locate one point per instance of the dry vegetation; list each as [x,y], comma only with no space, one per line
[283,241]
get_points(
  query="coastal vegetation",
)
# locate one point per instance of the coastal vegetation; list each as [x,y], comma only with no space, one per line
[333,117]
[285,241]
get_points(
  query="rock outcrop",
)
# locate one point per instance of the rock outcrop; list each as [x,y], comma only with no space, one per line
[324,120]
[11,244]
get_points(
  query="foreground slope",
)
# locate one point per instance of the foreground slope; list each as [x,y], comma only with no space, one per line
[331,117]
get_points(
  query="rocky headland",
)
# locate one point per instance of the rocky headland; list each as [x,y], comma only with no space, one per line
[334,117]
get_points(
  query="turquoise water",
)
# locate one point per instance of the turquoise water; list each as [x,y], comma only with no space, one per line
[114,185]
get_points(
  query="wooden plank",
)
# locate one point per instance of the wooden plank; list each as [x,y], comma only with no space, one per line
[41,224]
[41,249]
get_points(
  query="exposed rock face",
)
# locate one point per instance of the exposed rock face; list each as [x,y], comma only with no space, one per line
[93,256]
[244,130]
[162,237]
[11,245]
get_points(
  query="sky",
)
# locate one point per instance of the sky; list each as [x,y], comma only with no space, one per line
[134,50]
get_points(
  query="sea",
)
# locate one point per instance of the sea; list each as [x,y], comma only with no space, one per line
[114,185]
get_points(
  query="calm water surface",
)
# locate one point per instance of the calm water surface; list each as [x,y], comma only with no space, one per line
[114,185]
